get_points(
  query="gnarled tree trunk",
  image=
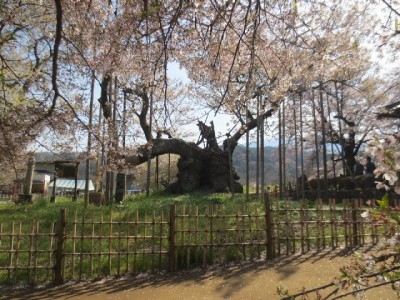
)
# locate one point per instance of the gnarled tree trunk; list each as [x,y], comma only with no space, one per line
[199,168]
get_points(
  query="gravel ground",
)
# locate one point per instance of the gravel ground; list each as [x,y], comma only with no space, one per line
[248,280]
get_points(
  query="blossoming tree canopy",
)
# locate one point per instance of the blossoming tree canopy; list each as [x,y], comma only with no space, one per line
[52,52]
[386,153]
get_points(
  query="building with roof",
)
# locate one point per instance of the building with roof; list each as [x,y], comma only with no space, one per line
[66,185]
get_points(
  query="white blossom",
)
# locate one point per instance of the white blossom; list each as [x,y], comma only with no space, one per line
[387,157]
[365,214]
[390,176]
[381,279]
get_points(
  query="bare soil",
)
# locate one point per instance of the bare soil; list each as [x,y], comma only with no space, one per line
[249,280]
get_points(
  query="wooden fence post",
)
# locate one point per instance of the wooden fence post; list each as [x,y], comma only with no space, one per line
[58,272]
[354,218]
[171,239]
[268,225]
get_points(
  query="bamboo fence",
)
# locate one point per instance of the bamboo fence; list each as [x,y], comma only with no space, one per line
[93,244]
[6,197]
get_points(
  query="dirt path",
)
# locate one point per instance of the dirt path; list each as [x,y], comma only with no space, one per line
[257,280]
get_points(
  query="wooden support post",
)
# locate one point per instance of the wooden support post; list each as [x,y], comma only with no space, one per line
[29,176]
[27,196]
[268,225]
[58,271]
[354,218]
[75,198]
[53,195]
[171,239]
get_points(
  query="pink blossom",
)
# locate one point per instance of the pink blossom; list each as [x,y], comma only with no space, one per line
[390,140]
[387,157]
[381,185]
[378,151]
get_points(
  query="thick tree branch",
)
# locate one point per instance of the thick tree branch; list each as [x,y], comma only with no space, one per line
[163,146]
[391,7]
[105,104]
[361,141]
[252,124]
[141,92]
[54,73]
[57,42]
[391,111]
[344,119]
[161,132]
[208,133]
[233,141]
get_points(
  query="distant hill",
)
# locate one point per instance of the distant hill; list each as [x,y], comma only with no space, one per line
[271,164]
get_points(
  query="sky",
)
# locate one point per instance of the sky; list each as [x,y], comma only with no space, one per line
[222,122]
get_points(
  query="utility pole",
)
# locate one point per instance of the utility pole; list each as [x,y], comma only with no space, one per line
[258,147]
[108,193]
[89,142]
[284,148]
[100,154]
[247,159]
[120,185]
[230,165]
[149,150]
[316,143]
[302,149]
[262,160]
[124,135]
[114,141]
[324,157]
[296,148]
[280,151]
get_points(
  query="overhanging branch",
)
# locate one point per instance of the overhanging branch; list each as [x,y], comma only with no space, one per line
[163,146]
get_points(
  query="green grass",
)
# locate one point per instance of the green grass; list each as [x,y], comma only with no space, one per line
[231,215]
[48,212]
[41,210]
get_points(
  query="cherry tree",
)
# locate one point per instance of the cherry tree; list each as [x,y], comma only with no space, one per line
[230,50]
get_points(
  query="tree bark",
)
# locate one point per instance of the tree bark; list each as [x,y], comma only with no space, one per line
[207,168]
[199,168]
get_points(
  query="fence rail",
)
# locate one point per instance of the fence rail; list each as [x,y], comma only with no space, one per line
[94,244]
